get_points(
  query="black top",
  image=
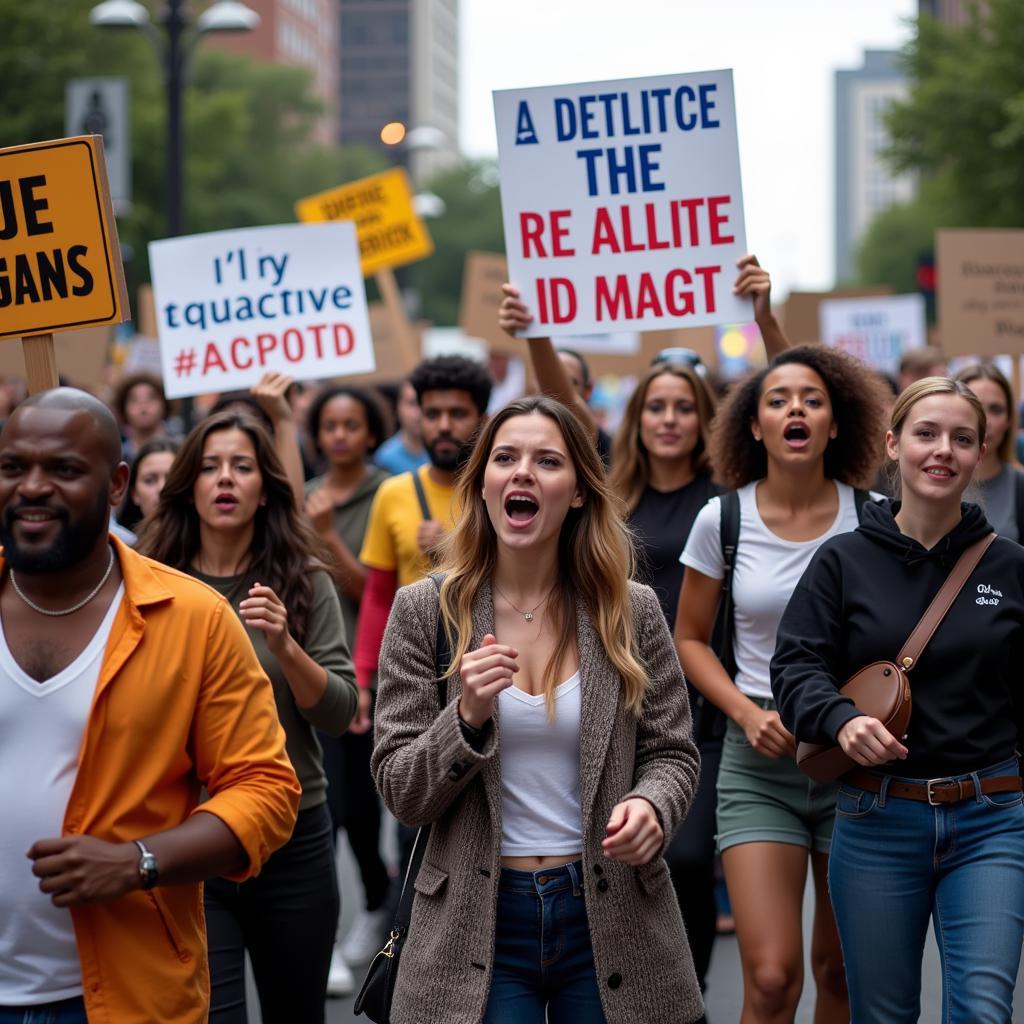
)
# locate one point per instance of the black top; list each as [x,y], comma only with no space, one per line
[662,521]
[858,602]
[604,446]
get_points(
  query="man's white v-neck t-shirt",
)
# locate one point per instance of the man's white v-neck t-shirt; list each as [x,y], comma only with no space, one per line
[41,729]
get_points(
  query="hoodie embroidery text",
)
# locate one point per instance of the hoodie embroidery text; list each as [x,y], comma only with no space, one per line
[994,595]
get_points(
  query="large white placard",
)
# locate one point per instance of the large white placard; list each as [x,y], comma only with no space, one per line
[622,203]
[877,329]
[233,305]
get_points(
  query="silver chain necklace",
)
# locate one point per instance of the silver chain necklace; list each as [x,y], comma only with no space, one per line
[73,608]
[529,614]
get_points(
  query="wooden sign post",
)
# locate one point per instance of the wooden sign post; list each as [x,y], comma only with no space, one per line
[58,248]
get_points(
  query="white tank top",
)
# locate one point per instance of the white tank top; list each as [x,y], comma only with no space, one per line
[41,728]
[540,772]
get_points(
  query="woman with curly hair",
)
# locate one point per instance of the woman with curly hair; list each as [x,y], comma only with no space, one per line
[560,763]
[999,477]
[794,440]
[227,516]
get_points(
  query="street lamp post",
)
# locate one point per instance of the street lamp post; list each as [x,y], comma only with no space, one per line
[174,45]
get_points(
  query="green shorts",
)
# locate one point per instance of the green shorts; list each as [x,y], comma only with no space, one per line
[769,800]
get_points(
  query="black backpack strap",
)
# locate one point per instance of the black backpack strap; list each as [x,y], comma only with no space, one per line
[709,721]
[421,497]
[860,499]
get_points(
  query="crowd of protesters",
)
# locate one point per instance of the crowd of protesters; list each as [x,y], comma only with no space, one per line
[481,618]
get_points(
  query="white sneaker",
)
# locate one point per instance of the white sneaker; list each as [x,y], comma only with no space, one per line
[366,936]
[340,981]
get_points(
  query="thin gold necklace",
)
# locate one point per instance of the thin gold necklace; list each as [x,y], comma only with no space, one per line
[528,615]
[75,607]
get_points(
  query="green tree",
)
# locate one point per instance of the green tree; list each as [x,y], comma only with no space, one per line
[249,152]
[471,220]
[962,129]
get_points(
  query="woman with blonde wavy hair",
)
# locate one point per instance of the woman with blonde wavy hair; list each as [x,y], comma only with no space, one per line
[560,764]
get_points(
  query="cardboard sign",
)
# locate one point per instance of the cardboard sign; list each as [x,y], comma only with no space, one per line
[981,291]
[390,232]
[60,262]
[82,356]
[482,277]
[622,203]
[396,359]
[232,305]
[877,330]
[800,312]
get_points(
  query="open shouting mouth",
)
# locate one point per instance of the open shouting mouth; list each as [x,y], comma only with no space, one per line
[797,435]
[521,508]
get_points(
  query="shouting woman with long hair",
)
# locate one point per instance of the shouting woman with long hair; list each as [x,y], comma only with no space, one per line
[227,516]
[560,764]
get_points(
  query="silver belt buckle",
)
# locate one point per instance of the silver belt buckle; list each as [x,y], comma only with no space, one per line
[937,782]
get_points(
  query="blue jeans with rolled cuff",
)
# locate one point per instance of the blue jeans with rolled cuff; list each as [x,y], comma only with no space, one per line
[65,1011]
[896,864]
[543,960]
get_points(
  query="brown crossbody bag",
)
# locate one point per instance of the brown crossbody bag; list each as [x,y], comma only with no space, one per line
[882,689]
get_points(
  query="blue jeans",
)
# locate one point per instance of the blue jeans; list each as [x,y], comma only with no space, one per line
[897,863]
[67,1011]
[542,954]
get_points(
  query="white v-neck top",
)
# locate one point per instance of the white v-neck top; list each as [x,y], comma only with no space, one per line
[41,729]
[540,772]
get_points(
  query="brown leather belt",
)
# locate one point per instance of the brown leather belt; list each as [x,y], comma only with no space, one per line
[935,791]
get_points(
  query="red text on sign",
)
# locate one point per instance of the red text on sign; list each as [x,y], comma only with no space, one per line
[243,353]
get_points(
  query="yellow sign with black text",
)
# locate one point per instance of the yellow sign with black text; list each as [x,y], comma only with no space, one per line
[60,261]
[390,232]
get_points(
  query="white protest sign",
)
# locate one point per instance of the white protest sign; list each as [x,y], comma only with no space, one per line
[877,329]
[623,343]
[622,203]
[232,305]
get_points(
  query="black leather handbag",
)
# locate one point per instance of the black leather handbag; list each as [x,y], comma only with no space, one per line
[378,988]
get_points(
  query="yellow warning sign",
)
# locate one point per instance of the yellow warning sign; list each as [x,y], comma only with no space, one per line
[60,261]
[389,231]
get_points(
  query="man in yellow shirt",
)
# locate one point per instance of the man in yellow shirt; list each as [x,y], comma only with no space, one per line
[411,512]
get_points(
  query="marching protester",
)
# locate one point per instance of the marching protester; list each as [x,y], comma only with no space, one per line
[662,471]
[142,411]
[404,452]
[346,425]
[562,762]
[146,480]
[412,512]
[929,826]
[148,692]
[227,517]
[794,440]
[999,477]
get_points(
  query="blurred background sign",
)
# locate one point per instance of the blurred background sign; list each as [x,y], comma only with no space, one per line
[99,106]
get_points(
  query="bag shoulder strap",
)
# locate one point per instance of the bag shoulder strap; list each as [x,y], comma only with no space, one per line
[421,497]
[941,603]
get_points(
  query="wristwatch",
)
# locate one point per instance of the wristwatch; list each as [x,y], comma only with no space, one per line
[147,866]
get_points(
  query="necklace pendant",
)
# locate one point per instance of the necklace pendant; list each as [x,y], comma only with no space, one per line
[528,616]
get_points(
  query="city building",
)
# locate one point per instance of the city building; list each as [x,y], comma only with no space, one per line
[301,32]
[952,12]
[400,63]
[864,183]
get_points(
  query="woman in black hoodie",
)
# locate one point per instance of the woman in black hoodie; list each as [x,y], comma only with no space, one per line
[932,827]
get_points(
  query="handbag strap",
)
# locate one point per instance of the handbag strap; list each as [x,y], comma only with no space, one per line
[941,603]
[442,662]
[421,497]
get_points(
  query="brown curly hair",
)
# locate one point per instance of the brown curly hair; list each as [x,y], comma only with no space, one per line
[858,407]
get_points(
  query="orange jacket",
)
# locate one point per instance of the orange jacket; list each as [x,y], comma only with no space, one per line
[181,703]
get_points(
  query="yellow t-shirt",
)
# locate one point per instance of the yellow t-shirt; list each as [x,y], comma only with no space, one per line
[395,517]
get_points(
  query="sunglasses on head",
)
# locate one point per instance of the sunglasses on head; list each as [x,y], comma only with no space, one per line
[680,357]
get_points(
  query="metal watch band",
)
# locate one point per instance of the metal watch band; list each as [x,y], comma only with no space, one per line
[147,865]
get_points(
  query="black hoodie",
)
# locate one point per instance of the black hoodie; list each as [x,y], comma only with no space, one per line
[861,597]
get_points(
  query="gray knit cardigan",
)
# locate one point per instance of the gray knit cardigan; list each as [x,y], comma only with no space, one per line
[427,773]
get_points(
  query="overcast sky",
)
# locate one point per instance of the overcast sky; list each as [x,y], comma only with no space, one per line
[783,54]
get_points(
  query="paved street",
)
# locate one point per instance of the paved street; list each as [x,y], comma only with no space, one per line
[724,995]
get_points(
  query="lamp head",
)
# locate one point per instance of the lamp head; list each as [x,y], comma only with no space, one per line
[228,16]
[119,14]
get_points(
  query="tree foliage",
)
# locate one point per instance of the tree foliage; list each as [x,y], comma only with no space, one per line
[249,149]
[962,128]
[471,220]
